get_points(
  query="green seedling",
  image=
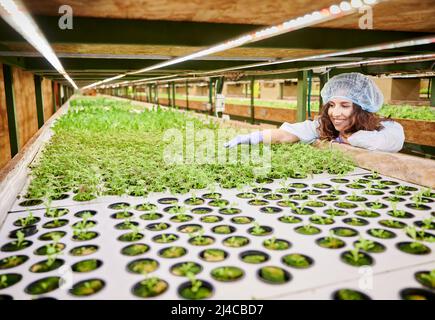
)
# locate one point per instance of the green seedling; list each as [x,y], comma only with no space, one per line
[198,237]
[333,241]
[160,226]
[430,278]
[354,254]
[20,239]
[380,233]
[257,229]
[334,211]
[3,281]
[365,244]
[427,223]
[135,232]
[397,213]
[376,205]
[427,192]
[194,283]
[269,210]
[298,210]
[168,238]
[28,220]
[186,268]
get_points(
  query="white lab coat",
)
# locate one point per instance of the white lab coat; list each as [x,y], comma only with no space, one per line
[388,139]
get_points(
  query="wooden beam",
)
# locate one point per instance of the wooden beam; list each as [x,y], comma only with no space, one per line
[188,33]
[11,111]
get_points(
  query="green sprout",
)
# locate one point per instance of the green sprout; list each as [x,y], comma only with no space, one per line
[186,268]
[28,220]
[257,229]
[333,241]
[3,281]
[194,283]
[198,237]
[366,244]
[354,254]
[20,239]
[397,213]
[429,277]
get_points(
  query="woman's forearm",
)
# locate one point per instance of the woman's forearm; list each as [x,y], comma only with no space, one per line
[278,136]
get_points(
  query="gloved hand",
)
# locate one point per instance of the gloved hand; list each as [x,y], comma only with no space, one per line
[253,138]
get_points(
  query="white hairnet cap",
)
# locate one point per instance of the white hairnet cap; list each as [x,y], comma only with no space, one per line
[355,87]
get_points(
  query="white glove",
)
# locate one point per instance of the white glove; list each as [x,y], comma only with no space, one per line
[253,138]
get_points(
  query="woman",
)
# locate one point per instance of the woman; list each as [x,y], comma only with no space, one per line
[347,116]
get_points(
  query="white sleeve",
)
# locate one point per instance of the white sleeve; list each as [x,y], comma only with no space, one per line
[388,139]
[306,131]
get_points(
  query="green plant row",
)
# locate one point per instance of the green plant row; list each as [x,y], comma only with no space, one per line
[107,147]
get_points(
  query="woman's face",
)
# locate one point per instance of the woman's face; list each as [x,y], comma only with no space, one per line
[340,111]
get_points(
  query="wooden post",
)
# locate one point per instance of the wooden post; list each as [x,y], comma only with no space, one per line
[432,92]
[252,101]
[323,79]
[169,95]
[53,95]
[174,104]
[39,101]
[281,90]
[301,113]
[59,99]
[149,94]
[187,95]
[157,93]
[10,108]
[210,95]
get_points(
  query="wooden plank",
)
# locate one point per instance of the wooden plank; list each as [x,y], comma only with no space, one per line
[25,104]
[418,131]
[401,15]
[5,147]
[397,165]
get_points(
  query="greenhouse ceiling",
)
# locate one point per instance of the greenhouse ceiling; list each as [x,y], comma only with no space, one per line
[110,38]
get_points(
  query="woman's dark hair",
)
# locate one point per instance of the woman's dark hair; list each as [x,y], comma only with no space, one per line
[360,120]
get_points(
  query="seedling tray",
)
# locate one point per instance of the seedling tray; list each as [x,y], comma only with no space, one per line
[392,269]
